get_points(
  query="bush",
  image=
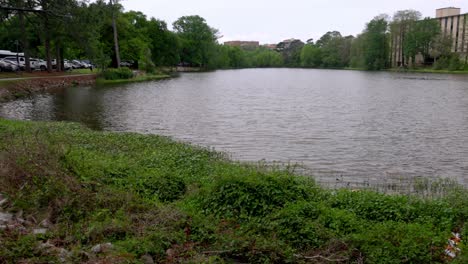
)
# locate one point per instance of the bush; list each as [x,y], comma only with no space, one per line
[297,225]
[376,207]
[455,63]
[117,74]
[394,242]
[166,187]
[451,62]
[254,195]
[441,63]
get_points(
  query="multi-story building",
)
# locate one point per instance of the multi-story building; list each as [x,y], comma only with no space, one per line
[453,24]
[243,44]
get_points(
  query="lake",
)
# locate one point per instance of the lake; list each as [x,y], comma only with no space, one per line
[344,127]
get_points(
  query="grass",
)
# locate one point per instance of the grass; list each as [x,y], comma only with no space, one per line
[140,78]
[6,75]
[429,70]
[151,196]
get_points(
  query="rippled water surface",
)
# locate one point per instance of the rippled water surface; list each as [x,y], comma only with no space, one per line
[341,125]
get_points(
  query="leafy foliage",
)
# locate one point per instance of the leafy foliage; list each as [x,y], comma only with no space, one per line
[116,74]
[175,202]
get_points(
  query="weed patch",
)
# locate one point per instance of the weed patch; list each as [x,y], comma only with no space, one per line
[152,197]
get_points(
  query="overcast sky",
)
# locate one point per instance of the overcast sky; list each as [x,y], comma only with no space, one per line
[270,21]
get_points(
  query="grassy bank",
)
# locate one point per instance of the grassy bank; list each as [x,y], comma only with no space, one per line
[428,70]
[140,78]
[156,199]
[126,75]
[14,89]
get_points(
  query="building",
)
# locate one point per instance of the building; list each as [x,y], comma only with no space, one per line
[243,44]
[270,46]
[453,24]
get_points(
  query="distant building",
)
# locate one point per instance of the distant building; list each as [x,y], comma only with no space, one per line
[455,25]
[243,44]
[270,46]
[452,23]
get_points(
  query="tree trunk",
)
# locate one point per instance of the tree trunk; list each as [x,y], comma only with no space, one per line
[24,42]
[47,51]
[58,57]
[47,36]
[116,39]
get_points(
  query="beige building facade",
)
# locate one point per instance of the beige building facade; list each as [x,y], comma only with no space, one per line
[243,44]
[453,24]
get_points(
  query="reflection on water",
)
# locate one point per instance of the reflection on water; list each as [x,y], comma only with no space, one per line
[348,126]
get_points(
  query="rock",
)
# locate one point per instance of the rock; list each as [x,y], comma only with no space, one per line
[3,201]
[5,218]
[45,245]
[45,223]
[101,248]
[64,255]
[2,227]
[39,231]
[19,214]
[147,259]
[83,255]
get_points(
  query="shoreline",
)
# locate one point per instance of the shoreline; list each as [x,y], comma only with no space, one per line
[139,78]
[12,89]
[88,196]
[18,87]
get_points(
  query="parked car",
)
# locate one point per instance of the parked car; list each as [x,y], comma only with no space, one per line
[87,64]
[76,64]
[66,65]
[22,62]
[6,65]
[128,64]
[39,64]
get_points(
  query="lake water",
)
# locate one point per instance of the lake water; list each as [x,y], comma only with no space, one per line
[359,128]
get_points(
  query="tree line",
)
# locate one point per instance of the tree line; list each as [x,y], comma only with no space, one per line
[106,34]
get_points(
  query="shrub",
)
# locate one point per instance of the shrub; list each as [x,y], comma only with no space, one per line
[451,62]
[395,242]
[377,207]
[117,74]
[166,187]
[253,195]
[455,64]
[297,225]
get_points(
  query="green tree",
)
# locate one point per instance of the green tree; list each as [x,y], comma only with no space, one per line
[264,58]
[441,46]
[419,38]
[165,45]
[291,51]
[375,44]
[335,49]
[402,22]
[357,58]
[311,56]
[198,40]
